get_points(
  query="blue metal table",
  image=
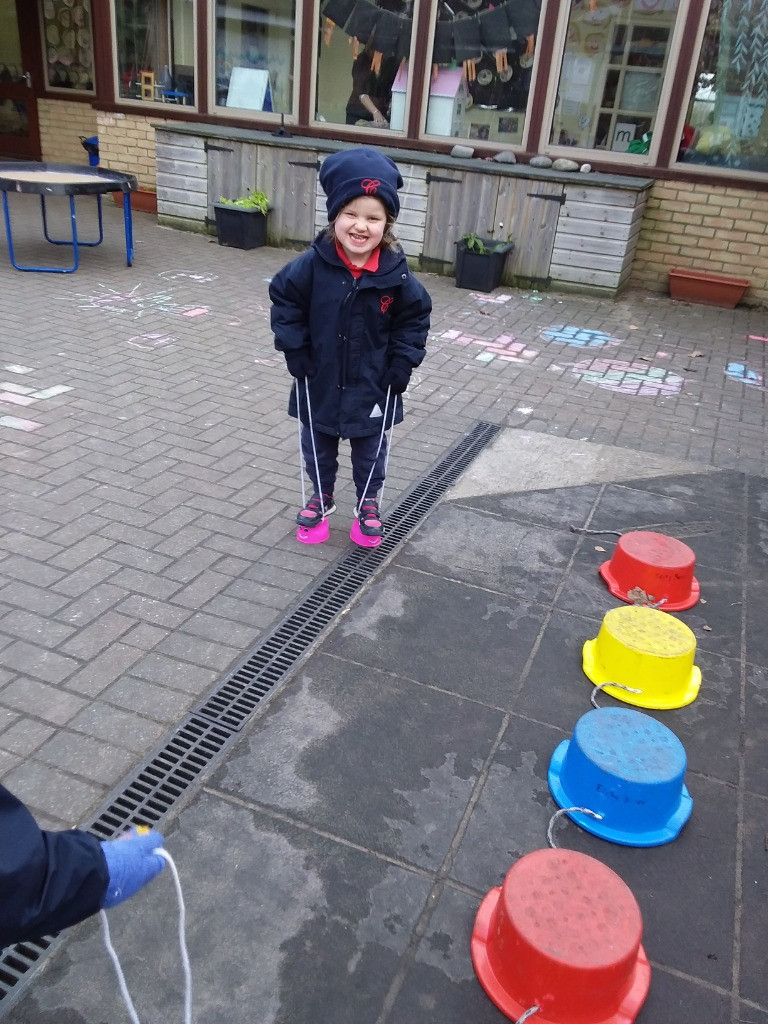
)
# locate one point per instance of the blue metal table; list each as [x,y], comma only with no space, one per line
[70,180]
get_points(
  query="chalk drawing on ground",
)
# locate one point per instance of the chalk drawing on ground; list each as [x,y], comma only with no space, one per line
[580,337]
[135,305]
[20,395]
[199,277]
[15,423]
[744,375]
[504,347]
[628,378]
[497,300]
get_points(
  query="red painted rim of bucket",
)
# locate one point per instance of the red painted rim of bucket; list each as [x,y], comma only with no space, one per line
[669,606]
[504,1001]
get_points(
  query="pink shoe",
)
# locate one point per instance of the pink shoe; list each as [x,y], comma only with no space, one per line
[315,510]
[367,513]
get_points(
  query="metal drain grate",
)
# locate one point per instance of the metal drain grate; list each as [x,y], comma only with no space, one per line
[154,788]
[256,675]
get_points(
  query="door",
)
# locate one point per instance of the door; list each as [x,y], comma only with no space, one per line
[516,209]
[19,64]
[288,176]
[458,202]
[533,209]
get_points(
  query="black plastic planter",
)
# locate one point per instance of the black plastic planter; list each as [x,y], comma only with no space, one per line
[481,271]
[240,227]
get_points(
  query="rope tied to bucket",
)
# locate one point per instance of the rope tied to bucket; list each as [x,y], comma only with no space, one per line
[638,596]
[556,815]
[528,1013]
[595,533]
[601,686]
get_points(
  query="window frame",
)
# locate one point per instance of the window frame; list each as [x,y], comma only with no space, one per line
[136,105]
[529,114]
[660,163]
[61,91]
[271,117]
[352,131]
[626,162]
[715,172]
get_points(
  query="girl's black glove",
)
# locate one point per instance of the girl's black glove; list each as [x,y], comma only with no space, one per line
[299,363]
[397,376]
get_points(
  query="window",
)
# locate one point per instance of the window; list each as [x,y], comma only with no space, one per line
[612,73]
[254,55]
[362,67]
[155,47]
[67,44]
[727,118]
[482,64]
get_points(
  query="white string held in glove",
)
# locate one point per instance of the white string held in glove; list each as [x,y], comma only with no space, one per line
[160,852]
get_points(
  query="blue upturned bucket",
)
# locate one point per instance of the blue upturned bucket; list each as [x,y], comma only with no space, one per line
[628,768]
[91,146]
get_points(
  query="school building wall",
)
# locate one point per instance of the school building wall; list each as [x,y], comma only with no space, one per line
[61,125]
[713,228]
[127,143]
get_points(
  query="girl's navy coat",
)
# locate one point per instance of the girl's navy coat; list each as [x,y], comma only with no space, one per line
[48,880]
[352,329]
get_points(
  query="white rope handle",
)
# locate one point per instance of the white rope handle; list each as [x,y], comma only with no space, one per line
[567,810]
[182,946]
[301,453]
[314,449]
[381,441]
[601,686]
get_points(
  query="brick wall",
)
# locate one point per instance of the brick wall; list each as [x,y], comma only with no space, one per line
[62,122]
[704,227]
[127,143]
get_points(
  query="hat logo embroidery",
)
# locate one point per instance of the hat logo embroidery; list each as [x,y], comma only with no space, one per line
[386,302]
[370,185]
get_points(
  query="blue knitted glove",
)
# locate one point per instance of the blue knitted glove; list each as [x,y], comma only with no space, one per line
[131,864]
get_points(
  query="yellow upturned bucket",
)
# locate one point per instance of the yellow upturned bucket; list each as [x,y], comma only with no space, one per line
[648,650]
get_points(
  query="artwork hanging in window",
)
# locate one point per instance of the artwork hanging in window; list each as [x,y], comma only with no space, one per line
[67,44]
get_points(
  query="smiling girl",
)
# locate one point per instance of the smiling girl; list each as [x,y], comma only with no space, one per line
[352,322]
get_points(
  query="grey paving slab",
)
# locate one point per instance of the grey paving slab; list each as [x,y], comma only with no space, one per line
[405,759]
[388,627]
[521,561]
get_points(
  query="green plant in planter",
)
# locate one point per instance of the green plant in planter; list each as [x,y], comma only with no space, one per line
[255,200]
[474,243]
[242,222]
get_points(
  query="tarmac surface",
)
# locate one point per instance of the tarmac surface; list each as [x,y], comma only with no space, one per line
[333,858]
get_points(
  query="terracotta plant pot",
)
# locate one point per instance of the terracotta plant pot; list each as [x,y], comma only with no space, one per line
[708,289]
[142,201]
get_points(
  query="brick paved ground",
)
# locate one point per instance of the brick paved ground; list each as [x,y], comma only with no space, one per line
[150,470]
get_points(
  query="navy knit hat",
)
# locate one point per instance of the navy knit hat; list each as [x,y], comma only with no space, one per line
[360,172]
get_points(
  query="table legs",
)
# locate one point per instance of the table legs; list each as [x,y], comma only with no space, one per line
[75,242]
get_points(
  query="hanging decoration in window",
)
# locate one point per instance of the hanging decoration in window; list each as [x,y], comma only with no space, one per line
[68,44]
